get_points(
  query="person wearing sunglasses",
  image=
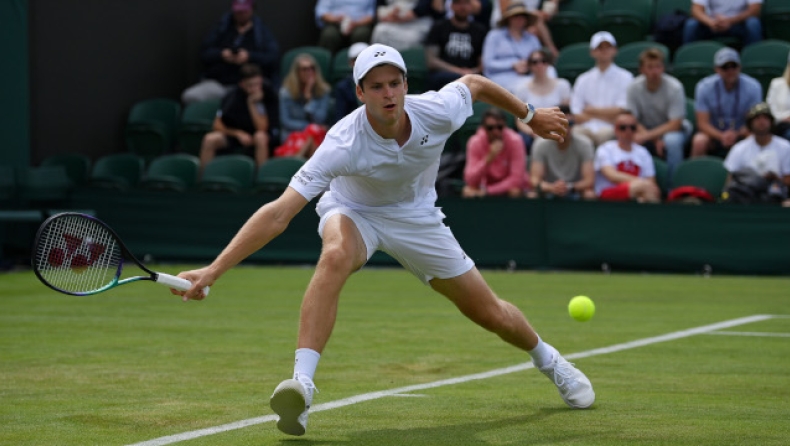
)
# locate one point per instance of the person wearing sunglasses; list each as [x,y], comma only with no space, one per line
[624,170]
[495,160]
[721,102]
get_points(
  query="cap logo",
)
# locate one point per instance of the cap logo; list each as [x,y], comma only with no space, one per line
[379,53]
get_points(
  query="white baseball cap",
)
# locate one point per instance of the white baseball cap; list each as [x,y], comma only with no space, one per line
[600,37]
[375,55]
[355,49]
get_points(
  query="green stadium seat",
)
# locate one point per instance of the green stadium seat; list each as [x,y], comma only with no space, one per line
[340,66]
[628,55]
[706,172]
[176,172]
[45,184]
[574,22]
[776,19]
[664,7]
[8,187]
[574,60]
[765,60]
[628,20]
[196,121]
[321,55]
[417,64]
[662,175]
[275,174]
[151,127]
[228,173]
[119,171]
[693,61]
[77,166]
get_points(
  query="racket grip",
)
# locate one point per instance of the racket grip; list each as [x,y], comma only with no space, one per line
[177,282]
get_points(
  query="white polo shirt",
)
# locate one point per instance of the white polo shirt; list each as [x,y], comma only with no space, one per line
[372,174]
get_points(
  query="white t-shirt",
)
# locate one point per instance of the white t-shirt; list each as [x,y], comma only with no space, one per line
[747,154]
[369,173]
[600,89]
[637,162]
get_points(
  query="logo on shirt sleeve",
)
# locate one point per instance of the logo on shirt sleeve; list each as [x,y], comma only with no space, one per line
[461,91]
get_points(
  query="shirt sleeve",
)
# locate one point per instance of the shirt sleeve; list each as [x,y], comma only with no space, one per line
[331,159]
[458,103]
[677,107]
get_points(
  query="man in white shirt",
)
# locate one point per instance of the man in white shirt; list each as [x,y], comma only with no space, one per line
[380,164]
[761,153]
[624,170]
[599,94]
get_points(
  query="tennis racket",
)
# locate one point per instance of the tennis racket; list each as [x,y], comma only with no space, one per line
[80,255]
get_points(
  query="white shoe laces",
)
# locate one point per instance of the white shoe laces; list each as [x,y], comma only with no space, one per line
[564,374]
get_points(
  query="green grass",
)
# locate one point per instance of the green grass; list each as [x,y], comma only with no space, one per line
[135,363]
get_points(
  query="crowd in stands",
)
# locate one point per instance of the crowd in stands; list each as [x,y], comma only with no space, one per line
[621,122]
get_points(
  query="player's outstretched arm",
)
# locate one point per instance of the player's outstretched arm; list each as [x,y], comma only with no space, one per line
[549,123]
[262,227]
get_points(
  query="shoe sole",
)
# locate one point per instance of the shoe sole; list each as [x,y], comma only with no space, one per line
[288,402]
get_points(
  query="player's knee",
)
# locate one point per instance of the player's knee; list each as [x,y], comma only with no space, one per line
[338,258]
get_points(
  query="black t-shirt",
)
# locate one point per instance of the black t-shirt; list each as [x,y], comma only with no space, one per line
[234,111]
[461,47]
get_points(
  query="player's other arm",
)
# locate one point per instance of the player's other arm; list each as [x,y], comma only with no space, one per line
[263,226]
[549,123]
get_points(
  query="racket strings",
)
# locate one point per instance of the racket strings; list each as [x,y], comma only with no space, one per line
[78,255]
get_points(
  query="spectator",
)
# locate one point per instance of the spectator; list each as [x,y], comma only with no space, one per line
[761,161]
[345,91]
[721,102]
[242,121]
[541,90]
[240,37]
[507,48]
[658,102]
[402,24]
[599,94]
[344,22]
[454,46]
[495,160]
[719,18]
[304,108]
[543,9]
[624,170]
[563,170]
[778,98]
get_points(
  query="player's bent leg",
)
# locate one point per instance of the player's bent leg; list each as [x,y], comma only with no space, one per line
[472,295]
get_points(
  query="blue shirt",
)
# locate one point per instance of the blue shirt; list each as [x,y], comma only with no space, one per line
[296,114]
[355,9]
[727,109]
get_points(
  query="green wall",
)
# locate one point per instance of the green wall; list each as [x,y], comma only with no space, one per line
[14,84]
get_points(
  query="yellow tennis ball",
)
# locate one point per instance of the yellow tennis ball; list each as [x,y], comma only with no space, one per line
[581,308]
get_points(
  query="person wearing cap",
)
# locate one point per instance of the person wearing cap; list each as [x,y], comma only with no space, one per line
[761,153]
[599,94]
[507,48]
[659,103]
[778,98]
[345,90]
[344,22]
[711,19]
[721,102]
[240,37]
[454,46]
[624,170]
[376,172]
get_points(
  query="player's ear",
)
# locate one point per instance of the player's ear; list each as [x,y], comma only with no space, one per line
[360,94]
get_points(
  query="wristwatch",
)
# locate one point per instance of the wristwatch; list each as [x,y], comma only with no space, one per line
[530,113]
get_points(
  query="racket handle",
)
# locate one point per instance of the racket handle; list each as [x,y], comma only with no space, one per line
[177,282]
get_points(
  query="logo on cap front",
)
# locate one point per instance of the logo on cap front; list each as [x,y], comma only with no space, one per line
[379,53]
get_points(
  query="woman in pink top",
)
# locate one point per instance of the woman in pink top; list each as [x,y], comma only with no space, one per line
[495,160]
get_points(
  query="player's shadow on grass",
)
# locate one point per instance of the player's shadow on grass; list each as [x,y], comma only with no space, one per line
[470,434]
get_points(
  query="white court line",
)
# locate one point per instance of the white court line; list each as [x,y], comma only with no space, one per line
[170,439]
[750,333]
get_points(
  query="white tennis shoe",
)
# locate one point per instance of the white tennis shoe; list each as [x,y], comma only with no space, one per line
[574,387]
[291,401]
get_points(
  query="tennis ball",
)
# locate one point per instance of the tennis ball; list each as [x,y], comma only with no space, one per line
[581,308]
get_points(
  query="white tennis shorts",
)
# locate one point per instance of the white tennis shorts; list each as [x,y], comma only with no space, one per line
[424,245]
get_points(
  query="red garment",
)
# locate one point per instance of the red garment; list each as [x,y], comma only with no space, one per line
[293,144]
[507,171]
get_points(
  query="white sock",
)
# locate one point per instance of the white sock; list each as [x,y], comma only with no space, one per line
[306,362]
[542,354]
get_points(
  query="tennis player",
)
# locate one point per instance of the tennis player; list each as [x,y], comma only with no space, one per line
[377,168]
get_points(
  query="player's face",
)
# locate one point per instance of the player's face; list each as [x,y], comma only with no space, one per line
[384,94]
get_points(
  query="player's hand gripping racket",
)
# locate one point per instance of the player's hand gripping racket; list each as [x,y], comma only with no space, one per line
[80,255]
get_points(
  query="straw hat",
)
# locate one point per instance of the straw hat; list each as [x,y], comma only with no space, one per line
[514,9]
